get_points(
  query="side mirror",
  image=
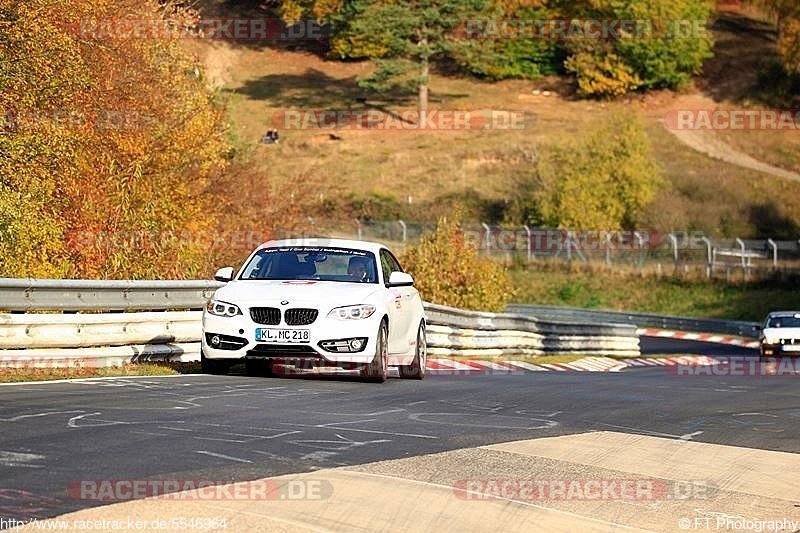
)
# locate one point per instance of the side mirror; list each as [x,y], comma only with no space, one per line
[224,274]
[400,279]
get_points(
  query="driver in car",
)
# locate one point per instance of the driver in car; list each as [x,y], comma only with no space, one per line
[357,268]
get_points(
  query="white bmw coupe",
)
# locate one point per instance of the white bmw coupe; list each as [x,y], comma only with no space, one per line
[326,302]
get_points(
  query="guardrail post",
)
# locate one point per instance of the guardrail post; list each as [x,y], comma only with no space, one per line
[674,240]
[569,246]
[774,247]
[709,257]
[358,225]
[405,230]
[608,249]
[488,236]
[640,245]
[529,247]
[740,242]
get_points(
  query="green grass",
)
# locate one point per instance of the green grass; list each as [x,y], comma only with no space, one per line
[662,295]
[15,375]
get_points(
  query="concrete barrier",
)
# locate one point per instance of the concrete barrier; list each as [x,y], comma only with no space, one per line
[152,328]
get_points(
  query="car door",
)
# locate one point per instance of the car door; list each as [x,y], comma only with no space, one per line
[400,305]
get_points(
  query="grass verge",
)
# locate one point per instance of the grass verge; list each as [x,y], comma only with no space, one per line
[667,295]
[16,375]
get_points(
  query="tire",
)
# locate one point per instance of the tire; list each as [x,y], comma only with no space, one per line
[213,366]
[258,367]
[416,370]
[378,370]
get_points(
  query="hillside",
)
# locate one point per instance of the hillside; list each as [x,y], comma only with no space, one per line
[435,167]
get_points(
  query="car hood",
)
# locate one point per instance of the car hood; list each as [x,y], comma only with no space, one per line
[319,293]
[782,333]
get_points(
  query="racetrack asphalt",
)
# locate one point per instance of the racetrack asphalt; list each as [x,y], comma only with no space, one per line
[235,428]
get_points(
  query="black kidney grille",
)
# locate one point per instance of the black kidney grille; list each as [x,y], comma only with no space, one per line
[300,317]
[266,315]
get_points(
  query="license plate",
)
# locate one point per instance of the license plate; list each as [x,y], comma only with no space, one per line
[791,347]
[281,335]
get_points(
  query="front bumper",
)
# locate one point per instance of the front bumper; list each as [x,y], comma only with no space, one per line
[778,348]
[242,327]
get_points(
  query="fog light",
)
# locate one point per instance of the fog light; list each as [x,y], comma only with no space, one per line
[344,345]
[356,344]
[215,340]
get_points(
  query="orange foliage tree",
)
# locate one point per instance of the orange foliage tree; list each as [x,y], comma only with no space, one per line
[110,143]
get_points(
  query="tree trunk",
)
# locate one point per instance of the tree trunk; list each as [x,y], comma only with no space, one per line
[423,74]
[423,86]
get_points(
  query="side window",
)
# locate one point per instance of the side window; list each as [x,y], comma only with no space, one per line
[386,265]
[389,264]
[394,263]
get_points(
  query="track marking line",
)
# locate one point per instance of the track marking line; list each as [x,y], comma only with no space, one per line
[222,456]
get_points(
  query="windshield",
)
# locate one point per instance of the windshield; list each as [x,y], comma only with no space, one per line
[783,322]
[314,263]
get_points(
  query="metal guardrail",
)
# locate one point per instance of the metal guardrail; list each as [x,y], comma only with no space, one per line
[456,331]
[103,295]
[151,332]
[641,320]
[86,330]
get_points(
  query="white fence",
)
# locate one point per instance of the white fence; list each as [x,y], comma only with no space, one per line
[163,323]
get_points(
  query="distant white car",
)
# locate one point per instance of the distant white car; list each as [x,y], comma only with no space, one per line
[781,333]
[325,302]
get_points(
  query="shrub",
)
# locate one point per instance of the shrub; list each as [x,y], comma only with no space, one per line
[500,58]
[367,207]
[602,180]
[449,272]
[602,73]
[666,55]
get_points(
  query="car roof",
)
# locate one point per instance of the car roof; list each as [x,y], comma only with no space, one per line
[782,314]
[368,246]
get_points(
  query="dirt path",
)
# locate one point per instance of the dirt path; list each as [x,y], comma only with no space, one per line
[706,142]
[741,45]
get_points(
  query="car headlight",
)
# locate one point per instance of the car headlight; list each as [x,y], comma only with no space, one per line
[352,312]
[771,340]
[218,308]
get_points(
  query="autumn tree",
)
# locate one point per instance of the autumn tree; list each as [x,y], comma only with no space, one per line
[600,180]
[787,19]
[448,271]
[111,142]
